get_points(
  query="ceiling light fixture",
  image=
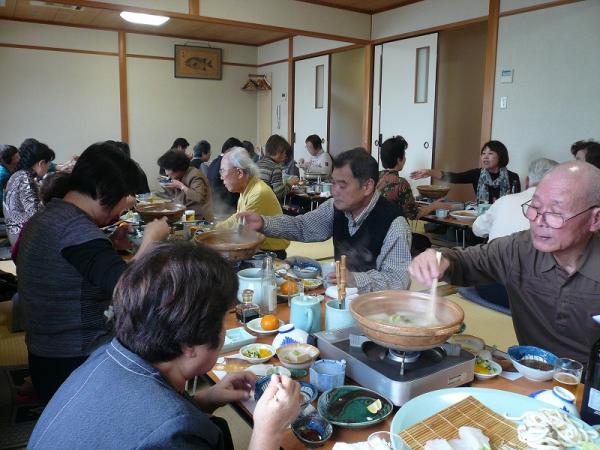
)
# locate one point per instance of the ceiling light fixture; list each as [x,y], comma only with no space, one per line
[144,19]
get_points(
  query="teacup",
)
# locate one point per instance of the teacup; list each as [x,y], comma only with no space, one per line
[305,313]
[327,374]
[441,213]
[336,318]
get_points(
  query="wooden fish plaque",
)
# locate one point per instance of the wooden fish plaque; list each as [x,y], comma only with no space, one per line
[198,62]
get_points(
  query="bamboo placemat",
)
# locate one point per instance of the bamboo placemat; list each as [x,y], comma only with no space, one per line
[468,412]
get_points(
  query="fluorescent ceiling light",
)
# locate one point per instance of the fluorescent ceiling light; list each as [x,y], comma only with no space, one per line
[144,19]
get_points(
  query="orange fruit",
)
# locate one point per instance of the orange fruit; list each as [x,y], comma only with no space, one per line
[269,322]
[288,287]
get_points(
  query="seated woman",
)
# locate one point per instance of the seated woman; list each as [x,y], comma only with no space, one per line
[68,268]
[22,193]
[392,186]
[241,175]
[320,162]
[170,328]
[189,184]
[9,157]
[397,190]
[492,181]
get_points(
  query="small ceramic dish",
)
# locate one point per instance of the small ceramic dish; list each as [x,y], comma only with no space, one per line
[532,362]
[255,327]
[312,283]
[487,369]
[465,215]
[308,392]
[312,431]
[305,272]
[467,342]
[297,356]
[266,370]
[257,353]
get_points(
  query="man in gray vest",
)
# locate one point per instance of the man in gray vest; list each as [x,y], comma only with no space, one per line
[365,227]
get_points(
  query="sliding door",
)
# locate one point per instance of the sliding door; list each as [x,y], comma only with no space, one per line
[311,101]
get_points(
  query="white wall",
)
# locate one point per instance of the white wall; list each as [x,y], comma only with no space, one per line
[510,5]
[347,91]
[291,14]
[278,75]
[426,14]
[275,51]
[67,100]
[162,107]
[23,33]
[305,45]
[70,100]
[555,97]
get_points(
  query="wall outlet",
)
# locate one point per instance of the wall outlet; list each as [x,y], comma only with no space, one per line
[503,101]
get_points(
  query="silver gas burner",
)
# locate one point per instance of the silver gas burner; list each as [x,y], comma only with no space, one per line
[397,375]
[403,357]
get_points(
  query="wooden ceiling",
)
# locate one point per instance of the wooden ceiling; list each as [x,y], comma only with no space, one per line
[105,16]
[363,6]
[109,19]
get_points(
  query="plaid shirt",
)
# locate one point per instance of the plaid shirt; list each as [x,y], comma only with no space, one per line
[317,225]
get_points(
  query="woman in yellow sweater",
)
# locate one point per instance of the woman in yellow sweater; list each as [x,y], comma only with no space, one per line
[240,174]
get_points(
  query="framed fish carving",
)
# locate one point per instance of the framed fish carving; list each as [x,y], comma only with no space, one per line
[198,62]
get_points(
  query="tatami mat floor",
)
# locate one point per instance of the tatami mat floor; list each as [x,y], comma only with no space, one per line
[493,327]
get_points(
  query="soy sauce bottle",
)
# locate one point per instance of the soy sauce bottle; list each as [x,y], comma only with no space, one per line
[590,405]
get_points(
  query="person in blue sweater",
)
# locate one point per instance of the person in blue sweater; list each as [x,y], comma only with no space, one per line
[170,308]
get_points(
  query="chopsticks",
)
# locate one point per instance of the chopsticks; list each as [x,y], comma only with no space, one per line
[340,275]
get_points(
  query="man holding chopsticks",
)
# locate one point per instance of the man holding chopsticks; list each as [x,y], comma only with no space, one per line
[365,227]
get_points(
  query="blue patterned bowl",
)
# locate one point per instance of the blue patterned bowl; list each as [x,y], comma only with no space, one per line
[535,355]
[308,392]
[312,430]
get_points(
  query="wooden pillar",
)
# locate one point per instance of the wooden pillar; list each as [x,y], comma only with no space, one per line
[368,98]
[194,7]
[291,90]
[124,106]
[490,71]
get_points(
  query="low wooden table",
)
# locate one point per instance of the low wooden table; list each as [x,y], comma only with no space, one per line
[306,201]
[462,225]
[290,442]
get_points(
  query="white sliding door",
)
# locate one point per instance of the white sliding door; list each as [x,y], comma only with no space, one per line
[404,97]
[311,100]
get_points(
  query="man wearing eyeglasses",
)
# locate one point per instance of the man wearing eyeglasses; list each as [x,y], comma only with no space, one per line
[551,272]
[241,175]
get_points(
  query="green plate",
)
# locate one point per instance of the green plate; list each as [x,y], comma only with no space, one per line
[346,406]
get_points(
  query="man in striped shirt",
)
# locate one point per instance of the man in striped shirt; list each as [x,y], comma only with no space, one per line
[270,165]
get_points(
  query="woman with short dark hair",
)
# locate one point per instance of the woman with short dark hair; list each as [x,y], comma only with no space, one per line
[22,193]
[65,308]
[490,182]
[392,186]
[189,185]
[170,309]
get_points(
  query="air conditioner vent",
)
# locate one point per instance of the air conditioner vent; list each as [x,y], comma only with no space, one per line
[55,5]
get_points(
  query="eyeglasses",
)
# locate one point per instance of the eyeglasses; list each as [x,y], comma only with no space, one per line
[553,220]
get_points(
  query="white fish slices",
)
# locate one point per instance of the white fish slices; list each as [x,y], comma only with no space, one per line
[470,438]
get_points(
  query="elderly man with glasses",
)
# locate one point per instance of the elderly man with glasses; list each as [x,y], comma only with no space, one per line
[551,271]
[241,175]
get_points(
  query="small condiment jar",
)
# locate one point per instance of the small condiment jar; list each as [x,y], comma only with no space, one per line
[247,311]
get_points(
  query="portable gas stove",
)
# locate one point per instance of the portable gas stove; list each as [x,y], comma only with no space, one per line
[397,375]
